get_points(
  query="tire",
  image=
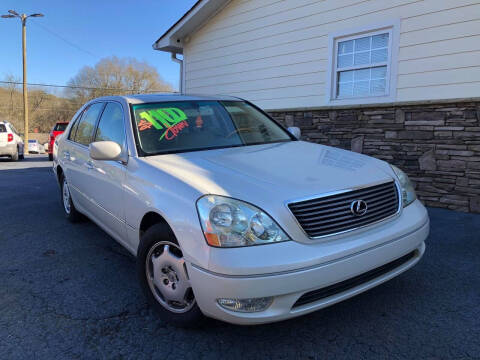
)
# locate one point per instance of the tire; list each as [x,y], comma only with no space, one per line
[69,209]
[50,157]
[15,156]
[159,244]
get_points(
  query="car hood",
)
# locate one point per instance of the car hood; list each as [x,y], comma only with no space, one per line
[284,171]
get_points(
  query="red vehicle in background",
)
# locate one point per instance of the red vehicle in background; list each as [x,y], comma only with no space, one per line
[58,129]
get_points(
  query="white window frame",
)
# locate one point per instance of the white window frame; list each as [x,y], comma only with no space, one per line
[391,27]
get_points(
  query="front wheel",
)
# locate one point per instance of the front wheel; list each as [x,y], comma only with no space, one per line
[163,276]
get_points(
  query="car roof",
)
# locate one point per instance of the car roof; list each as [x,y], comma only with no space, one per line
[151,98]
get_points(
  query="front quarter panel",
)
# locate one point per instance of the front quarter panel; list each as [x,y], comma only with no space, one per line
[149,189]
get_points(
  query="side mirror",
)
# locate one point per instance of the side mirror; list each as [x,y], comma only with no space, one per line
[295,131]
[105,150]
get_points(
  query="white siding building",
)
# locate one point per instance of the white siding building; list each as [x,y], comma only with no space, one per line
[292,54]
[396,79]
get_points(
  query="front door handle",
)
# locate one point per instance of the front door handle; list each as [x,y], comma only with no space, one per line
[89,165]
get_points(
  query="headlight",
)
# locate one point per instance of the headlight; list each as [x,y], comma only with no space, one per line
[408,191]
[228,222]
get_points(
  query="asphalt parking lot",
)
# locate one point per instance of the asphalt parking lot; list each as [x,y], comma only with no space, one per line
[69,291]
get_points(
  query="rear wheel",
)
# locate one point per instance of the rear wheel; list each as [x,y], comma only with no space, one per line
[15,156]
[70,211]
[163,276]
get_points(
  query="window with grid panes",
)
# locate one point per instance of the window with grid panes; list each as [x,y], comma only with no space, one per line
[362,65]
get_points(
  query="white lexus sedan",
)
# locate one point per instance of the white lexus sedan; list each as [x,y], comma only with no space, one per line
[230,215]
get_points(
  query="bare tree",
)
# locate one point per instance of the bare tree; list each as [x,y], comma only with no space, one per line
[10,100]
[45,108]
[115,76]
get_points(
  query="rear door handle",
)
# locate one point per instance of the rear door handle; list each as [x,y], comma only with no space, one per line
[66,155]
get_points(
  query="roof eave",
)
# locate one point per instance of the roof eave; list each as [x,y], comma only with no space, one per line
[201,12]
[168,48]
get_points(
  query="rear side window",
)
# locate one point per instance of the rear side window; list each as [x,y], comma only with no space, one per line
[60,127]
[3,128]
[111,126]
[87,123]
[73,130]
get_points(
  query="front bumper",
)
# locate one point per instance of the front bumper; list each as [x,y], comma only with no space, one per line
[8,149]
[288,286]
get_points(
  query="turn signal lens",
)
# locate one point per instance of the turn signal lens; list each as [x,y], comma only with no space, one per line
[212,239]
[246,305]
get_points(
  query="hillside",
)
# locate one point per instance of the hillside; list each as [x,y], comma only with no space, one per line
[45,109]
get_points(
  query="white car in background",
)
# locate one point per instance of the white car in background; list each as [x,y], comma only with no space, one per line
[11,144]
[34,147]
[231,216]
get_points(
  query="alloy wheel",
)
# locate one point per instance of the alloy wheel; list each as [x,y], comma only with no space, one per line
[66,196]
[167,277]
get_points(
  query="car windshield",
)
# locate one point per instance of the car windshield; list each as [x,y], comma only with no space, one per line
[199,125]
[60,127]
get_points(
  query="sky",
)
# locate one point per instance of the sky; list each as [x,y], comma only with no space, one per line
[75,33]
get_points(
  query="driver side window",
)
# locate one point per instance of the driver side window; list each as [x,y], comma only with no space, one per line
[111,126]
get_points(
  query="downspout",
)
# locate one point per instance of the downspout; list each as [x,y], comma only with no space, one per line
[179,61]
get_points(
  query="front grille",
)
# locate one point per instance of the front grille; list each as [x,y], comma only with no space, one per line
[331,214]
[343,286]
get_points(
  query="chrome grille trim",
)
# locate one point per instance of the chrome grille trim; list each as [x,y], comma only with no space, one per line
[330,215]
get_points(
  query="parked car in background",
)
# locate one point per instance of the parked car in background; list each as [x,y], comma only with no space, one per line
[58,129]
[11,144]
[229,214]
[34,147]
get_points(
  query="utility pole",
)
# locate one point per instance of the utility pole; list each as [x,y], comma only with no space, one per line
[23,18]
[25,89]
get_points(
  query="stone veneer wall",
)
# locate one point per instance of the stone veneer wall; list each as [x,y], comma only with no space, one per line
[438,145]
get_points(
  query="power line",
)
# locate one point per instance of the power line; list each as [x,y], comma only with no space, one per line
[64,40]
[44,109]
[81,87]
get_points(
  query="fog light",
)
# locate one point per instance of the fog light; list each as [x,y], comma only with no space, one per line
[246,305]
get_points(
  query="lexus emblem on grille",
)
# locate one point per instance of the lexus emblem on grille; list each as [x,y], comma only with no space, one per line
[358,207]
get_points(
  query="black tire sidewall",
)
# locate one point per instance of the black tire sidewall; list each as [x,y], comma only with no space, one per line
[154,235]
[15,156]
